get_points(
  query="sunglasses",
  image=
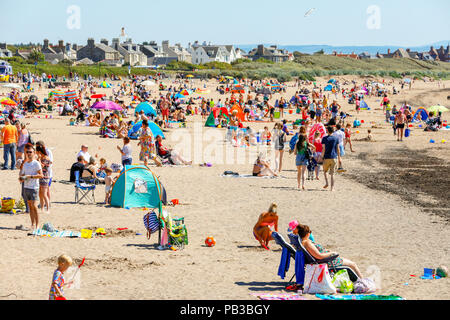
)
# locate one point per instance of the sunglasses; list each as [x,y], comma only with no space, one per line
[29,151]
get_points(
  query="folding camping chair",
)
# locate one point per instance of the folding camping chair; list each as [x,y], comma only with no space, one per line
[309,259]
[283,244]
[83,189]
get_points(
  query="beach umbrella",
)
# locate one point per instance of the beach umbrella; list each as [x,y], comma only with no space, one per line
[437,109]
[148,83]
[98,96]
[407,80]
[147,108]
[332,81]
[12,86]
[106,105]
[71,95]
[8,102]
[184,92]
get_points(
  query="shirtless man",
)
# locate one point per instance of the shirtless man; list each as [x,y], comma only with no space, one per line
[399,123]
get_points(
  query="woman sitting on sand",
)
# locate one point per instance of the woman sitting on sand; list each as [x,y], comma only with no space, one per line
[266,220]
[318,252]
[261,167]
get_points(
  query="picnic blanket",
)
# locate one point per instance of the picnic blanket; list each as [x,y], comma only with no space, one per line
[358,297]
[56,234]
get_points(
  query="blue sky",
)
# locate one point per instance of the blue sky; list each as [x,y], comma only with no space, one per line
[344,22]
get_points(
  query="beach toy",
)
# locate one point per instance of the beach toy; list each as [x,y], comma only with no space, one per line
[175,201]
[443,141]
[429,274]
[410,125]
[357,131]
[60,298]
[100,231]
[362,121]
[407,132]
[420,126]
[432,141]
[210,242]
[139,234]
[86,233]
[121,229]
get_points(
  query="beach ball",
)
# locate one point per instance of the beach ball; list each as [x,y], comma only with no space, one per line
[432,141]
[210,242]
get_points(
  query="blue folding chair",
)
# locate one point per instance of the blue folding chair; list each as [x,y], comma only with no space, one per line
[83,190]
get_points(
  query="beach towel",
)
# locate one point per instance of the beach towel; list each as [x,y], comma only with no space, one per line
[299,267]
[358,297]
[278,296]
[284,263]
[56,234]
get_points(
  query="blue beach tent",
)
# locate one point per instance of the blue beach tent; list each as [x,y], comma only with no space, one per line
[147,108]
[138,187]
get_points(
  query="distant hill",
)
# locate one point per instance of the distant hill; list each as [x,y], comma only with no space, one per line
[310,49]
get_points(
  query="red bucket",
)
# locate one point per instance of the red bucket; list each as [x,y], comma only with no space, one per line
[291,111]
[175,201]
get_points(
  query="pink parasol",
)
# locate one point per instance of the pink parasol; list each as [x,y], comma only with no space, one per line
[106,105]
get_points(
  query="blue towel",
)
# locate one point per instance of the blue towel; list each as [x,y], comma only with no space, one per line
[299,267]
[284,263]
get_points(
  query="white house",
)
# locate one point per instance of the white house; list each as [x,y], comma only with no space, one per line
[204,54]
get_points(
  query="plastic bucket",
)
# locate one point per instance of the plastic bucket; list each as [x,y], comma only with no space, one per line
[175,201]
[407,132]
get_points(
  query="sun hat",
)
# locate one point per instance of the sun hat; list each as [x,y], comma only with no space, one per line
[292,225]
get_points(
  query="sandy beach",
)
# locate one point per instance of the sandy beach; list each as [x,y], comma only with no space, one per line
[389,213]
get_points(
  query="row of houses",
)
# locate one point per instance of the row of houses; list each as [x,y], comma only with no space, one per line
[118,53]
[441,54]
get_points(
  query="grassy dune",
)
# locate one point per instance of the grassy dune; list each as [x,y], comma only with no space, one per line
[305,67]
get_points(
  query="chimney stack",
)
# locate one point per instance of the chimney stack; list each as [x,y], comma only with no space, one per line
[105,42]
[45,43]
[260,50]
[91,42]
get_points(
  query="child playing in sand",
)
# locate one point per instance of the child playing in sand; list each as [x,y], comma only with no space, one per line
[56,289]
[108,184]
[368,138]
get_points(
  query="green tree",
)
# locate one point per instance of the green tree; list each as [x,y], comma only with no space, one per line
[36,56]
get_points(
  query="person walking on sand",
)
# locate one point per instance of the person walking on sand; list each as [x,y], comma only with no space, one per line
[30,173]
[330,153]
[399,124]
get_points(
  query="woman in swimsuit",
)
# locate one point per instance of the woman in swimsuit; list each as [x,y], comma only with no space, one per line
[262,229]
[318,251]
[261,168]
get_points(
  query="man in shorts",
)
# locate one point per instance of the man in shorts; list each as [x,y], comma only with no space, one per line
[399,123]
[330,147]
[30,173]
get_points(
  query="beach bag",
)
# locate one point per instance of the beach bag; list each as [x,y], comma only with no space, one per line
[318,280]
[341,280]
[8,204]
[365,285]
